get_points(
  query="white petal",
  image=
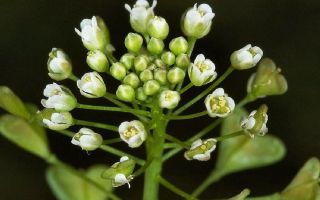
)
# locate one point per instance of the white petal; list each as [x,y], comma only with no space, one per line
[124,158]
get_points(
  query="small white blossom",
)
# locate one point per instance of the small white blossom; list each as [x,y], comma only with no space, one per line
[91,85]
[201,150]
[133,133]
[197,21]
[87,139]
[219,104]
[246,58]
[140,15]
[94,34]
[169,99]
[202,71]
[256,122]
[59,98]
[59,65]
[58,121]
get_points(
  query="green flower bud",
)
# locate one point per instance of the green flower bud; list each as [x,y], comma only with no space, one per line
[168,58]
[256,122]
[178,45]
[201,150]
[125,93]
[56,120]
[127,59]
[59,98]
[246,58]
[151,87]
[118,71]
[141,96]
[267,81]
[87,139]
[141,63]
[160,75]
[169,99]
[59,65]
[120,172]
[155,46]
[97,61]
[146,75]
[183,61]
[91,85]
[133,42]
[176,75]
[158,28]
[94,33]
[160,64]
[197,21]
[132,79]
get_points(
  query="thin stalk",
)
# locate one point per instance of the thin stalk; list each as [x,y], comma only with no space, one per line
[175,189]
[112,141]
[73,77]
[177,141]
[170,145]
[108,149]
[84,177]
[205,92]
[191,116]
[96,125]
[186,88]
[141,169]
[114,109]
[228,136]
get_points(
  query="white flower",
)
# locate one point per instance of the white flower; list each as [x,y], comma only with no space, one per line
[87,139]
[202,71]
[140,15]
[197,21]
[94,33]
[256,122]
[58,121]
[59,65]
[218,103]
[201,150]
[133,133]
[169,99]
[91,85]
[59,98]
[246,58]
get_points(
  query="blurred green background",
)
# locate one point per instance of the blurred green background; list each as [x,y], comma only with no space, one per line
[287,31]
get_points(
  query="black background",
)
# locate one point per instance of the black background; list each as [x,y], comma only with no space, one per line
[287,31]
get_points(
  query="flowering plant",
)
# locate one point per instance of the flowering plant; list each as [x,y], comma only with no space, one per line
[153,77]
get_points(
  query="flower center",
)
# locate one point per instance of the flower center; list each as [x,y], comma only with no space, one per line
[202,66]
[131,131]
[219,105]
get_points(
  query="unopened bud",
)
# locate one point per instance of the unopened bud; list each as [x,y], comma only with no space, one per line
[151,87]
[158,28]
[176,75]
[183,61]
[168,58]
[125,93]
[155,46]
[118,71]
[246,58]
[97,61]
[178,45]
[141,63]
[127,59]
[140,95]
[59,65]
[160,75]
[56,120]
[146,75]
[133,42]
[91,85]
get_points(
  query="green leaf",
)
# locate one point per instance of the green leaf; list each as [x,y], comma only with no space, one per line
[68,186]
[242,195]
[24,135]
[11,103]
[269,197]
[242,153]
[305,185]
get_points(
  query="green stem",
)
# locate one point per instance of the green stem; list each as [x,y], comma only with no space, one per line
[108,149]
[171,145]
[205,92]
[154,147]
[141,169]
[81,175]
[96,125]
[191,116]
[177,141]
[175,189]
[114,109]
[186,88]
[73,77]
[228,136]
[112,141]
[213,177]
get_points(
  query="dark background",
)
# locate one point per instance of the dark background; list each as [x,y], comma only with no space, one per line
[287,31]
